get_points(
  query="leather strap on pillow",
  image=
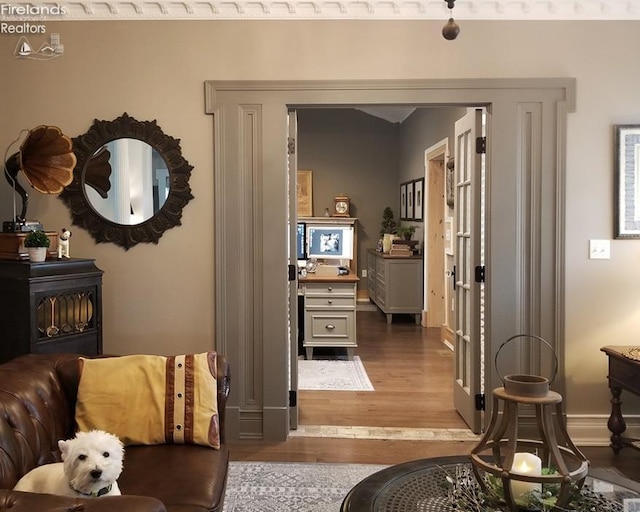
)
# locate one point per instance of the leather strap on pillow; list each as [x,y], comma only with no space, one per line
[147,399]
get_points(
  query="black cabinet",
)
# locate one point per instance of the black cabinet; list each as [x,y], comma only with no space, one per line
[53,306]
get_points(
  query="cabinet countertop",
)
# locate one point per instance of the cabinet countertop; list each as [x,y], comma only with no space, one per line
[394,257]
[310,278]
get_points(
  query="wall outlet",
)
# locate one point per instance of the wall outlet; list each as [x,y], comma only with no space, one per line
[599,249]
[364,272]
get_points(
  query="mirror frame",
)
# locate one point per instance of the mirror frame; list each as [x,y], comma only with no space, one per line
[168,216]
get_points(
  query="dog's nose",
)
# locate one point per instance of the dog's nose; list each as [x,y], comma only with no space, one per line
[96,473]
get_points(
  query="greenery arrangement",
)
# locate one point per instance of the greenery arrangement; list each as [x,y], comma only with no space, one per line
[388,224]
[467,495]
[405,232]
[37,239]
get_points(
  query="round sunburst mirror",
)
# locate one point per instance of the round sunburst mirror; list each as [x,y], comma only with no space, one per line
[130,182]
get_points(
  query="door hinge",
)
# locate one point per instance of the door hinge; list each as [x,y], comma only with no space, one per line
[480,402]
[293,272]
[291,145]
[293,398]
[481,145]
[480,274]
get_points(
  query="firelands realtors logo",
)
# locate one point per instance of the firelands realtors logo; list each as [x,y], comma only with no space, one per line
[26,20]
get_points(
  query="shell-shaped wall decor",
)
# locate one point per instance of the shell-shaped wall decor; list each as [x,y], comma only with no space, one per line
[47,159]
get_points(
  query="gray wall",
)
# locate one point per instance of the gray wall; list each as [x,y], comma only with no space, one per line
[356,154]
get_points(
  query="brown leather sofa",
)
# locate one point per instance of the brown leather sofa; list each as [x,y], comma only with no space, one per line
[37,408]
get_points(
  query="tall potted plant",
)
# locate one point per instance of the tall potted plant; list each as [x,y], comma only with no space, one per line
[387,228]
[37,243]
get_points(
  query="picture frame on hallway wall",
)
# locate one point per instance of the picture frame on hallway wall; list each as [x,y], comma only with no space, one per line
[403,201]
[305,193]
[410,200]
[418,199]
[627,181]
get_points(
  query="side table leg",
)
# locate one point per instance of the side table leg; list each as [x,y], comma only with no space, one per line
[616,423]
[389,318]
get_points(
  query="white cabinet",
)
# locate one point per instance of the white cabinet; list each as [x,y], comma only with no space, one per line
[395,284]
[329,313]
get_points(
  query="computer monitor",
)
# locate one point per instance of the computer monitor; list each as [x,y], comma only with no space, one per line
[329,242]
[301,241]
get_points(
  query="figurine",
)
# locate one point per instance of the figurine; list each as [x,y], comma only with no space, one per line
[63,244]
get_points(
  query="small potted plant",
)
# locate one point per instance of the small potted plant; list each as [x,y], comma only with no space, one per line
[37,243]
[405,232]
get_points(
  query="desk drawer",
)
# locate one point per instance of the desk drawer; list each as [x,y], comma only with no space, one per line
[330,326]
[331,302]
[327,289]
[625,374]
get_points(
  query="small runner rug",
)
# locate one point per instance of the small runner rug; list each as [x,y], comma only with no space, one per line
[333,375]
[285,486]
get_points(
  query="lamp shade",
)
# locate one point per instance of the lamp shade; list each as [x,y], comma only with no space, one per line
[46,160]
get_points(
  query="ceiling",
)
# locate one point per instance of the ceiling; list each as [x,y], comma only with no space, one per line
[573,10]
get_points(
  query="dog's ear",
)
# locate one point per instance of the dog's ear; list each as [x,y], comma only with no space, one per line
[64,446]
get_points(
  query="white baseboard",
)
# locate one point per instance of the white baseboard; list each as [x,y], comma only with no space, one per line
[591,429]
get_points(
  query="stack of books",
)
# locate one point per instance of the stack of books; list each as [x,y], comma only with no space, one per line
[400,249]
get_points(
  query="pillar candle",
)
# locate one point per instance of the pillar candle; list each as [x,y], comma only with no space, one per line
[525,464]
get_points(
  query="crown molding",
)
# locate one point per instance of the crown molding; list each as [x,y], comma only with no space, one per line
[568,10]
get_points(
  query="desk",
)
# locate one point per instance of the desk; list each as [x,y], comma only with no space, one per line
[419,486]
[624,373]
[329,312]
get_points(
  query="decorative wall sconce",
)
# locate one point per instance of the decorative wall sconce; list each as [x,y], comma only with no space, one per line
[525,469]
[451,30]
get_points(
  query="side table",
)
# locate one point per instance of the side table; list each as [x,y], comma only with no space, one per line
[624,373]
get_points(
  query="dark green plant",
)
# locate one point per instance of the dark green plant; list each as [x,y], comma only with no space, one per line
[388,222]
[405,232]
[37,239]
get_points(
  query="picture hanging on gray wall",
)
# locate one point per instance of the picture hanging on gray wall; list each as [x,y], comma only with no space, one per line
[403,201]
[410,200]
[627,182]
[418,199]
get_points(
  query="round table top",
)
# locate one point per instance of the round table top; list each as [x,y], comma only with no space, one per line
[420,486]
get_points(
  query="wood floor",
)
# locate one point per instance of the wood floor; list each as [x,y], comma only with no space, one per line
[411,371]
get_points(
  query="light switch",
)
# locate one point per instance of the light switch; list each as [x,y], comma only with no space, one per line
[599,249]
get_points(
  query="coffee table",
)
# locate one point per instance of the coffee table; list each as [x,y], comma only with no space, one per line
[419,486]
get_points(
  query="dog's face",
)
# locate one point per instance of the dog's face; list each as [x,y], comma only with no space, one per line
[92,460]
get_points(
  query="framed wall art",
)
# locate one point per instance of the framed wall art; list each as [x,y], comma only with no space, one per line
[450,186]
[627,181]
[410,201]
[418,199]
[305,193]
[403,201]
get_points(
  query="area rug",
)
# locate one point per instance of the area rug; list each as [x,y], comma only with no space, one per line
[333,375]
[284,486]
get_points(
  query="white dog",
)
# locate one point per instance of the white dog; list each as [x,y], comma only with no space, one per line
[91,464]
[63,244]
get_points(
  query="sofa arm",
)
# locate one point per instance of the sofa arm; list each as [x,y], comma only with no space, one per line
[15,501]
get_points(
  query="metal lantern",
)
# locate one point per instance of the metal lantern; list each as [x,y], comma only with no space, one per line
[518,463]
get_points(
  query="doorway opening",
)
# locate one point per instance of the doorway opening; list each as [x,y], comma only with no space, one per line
[437,319]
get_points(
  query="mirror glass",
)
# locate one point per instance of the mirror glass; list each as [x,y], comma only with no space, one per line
[137,185]
[130,182]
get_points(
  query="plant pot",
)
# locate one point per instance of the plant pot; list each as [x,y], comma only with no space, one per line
[37,254]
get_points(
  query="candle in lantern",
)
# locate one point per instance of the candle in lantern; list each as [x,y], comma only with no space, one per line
[525,464]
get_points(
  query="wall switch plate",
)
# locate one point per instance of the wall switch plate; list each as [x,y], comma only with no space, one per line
[599,249]
[364,272]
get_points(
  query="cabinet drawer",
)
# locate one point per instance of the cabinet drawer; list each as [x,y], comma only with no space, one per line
[327,289]
[625,374]
[338,302]
[335,326]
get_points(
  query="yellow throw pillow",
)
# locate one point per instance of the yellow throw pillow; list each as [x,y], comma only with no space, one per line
[146,399]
